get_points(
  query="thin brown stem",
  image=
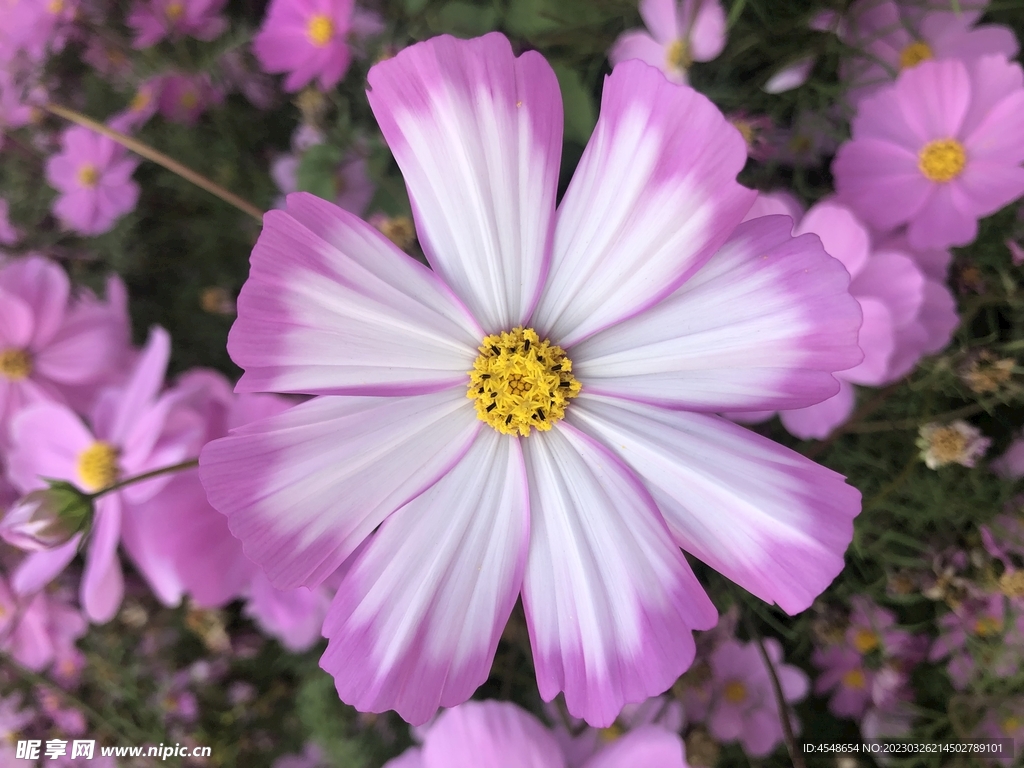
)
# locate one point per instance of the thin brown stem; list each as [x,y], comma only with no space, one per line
[159,158]
[780,700]
[180,466]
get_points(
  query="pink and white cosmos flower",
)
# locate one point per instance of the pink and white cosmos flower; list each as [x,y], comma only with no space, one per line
[461,491]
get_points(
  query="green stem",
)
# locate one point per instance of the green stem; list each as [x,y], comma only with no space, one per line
[159,158]
[780,700]
[189,464]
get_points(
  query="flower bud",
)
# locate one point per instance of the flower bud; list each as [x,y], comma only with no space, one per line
[47,518]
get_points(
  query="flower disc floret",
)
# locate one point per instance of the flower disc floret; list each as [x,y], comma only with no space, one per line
[915,53]
[88,175]
[15,364]
[942,160]
[98,466]
[320,30]
[521,382]
[865,641]
[735,692]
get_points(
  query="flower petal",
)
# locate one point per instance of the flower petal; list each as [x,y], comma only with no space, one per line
[45,287]
[333,307]
[477,133]
[648,746]
[417,619]
[637,44]
[142,387]
[817,421]
[302,489]
[495,734]
[760,327]
[46,440]
[934,98]
[40,568]
[942,222]
[610,601]
[102,581]
[660,19]
[708,32]
[653,198]
[880,180]
[764,516]
[16,322]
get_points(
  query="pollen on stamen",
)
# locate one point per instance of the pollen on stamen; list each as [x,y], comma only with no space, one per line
[520,382]
[320,30]
[942,160]
[914,54]
[15,364]
[98,466]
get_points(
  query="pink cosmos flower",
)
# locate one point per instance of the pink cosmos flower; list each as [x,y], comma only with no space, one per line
[893,37]
[979,619]
[679,32]
[497,734]
[1006,720]
[308,39]
[39,632]
[355,188]
[93,175]
[653,300]
[141,108]
[35,27]
[745,708]
[8,234]
[845,676]
[184,98]
[1011,464]
[132,432]
[937,150]
[53,346]
[153,20]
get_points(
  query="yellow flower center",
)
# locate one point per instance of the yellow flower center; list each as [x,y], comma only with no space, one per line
[746,131]
[947,445]
[611,733]
[987,626]
[97,466]
[174,11]
[140,101]
[189,98]
[1011,584]
[735,692]
[679,57]
[942,160]
[88,175]
[855,679]
[520,382]
[55,6]
[865,640]
[914,54]
[1011,725]
[15,364]
[320,30]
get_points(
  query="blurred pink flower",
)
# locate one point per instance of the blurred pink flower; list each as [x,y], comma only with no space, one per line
[35,27]
[679,32]
[984,619]
[937,150]
[1011,464]
[497,734]
[308,39]
[142,107]
[353,183]
[53,346]
[15,111]
[39,631]
[891,36]
[184,98]
[845,676]
[93,175]
[153,20]
[744,707]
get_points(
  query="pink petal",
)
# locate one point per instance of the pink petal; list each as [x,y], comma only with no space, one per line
[993,80]
[495,734]
[877,339]
[411,758]
[46,440]
[660,19]
[986,40]
[17,323]
[938,316]
[648,746]
[895,279]
[707,35]
[610,601]
[293,616]
[417,619]
[934,97]
[792,76]
[880,181]
[40,568]
[332,306]
[817,421]
[653,198]
[941,222]
[985,187]
[102,582]
[477,133]
[304,488]
[637,44]
[761,326]
[764,516]
[42,285]
[842,235]
[145,382]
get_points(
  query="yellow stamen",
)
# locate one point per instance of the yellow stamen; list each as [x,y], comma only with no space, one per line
[942,160]
[189,99]
[987,626]
[855,679]
[320,30]
[55,6]
[611,733]
[1011,725]
[174,11]
[520,382]
[88,175]
[679,57]
[1011,584]
[735,692]
[914,54]
[15,364]
[865,641]
[97,466]
[140,101]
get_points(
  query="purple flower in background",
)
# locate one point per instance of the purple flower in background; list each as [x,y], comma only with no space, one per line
[679,32]
[153,20]
[183,98]
[308,39]
[94,176]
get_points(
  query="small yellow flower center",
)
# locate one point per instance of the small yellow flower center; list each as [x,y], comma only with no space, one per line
[1011,725]
[174,11]
[678,56]
[611,733]
[947,445]
[55,6]
[399,230]
[1012,584]
[140,101]
[735,692]
[320,30]
[987,626]
[520,382]
[97,466]
[942,160]
[865,640]
[855,679]
[189,98]
[15,364]
[88,175]
[914,54]
[746,131]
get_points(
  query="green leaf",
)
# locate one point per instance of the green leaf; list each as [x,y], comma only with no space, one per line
[464,19]
[527,18]
[317,171]
[415,7]
[580,115]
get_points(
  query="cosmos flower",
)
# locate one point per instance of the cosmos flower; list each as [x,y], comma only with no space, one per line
[94,176]
[955,443]
[497,734]
[184,98]
[308,39]
[937,150]
[679,32]
[534,413]
[35,27]
[153,20]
